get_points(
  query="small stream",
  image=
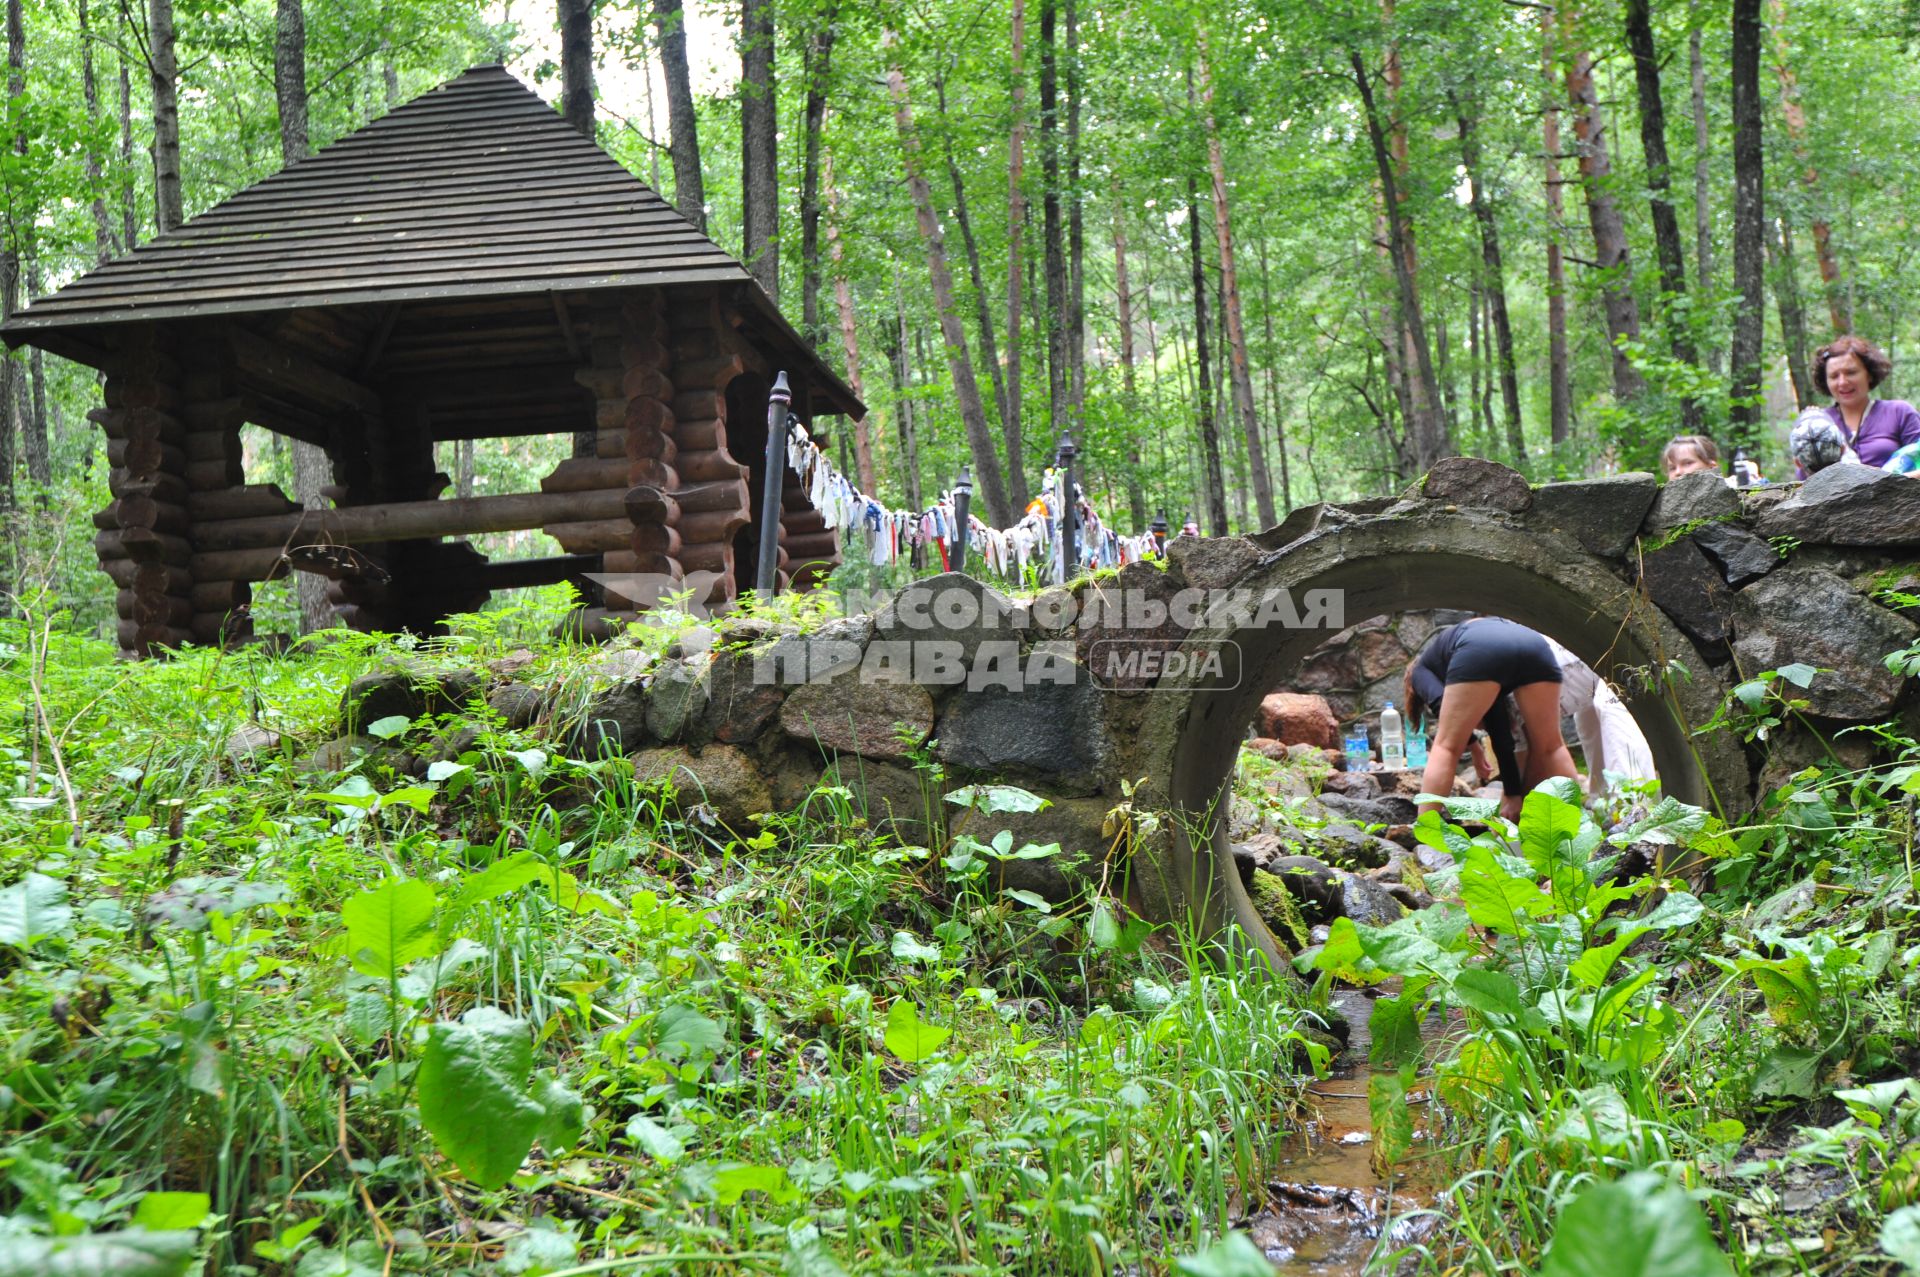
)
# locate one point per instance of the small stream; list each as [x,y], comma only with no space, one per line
[1325,1209]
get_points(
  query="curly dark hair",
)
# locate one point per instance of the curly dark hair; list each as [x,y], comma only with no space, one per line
[1872,358]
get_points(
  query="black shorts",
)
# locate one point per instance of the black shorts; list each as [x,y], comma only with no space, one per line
[1495,650]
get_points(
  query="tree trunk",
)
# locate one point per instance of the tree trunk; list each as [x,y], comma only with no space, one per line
[312,469]
[1749,213]
[463,469]
[576,64]
[1076,325]
[1559,368]
[1610,252]
[1483,421]
[1123,301]
[390,78]
[129,185]
[1796,117]
[1428,439]
[1443,368]
[33,422]
[1216,484]
[1494,283]
[1702,168]
[1012,427]
[1793,314]
[902,394]
[1055,248]
[980,440]
[983,305]
[1666,223]
[759,160]
[96,179]
[14,372]
[1273,380]
[818,59]
[1240,370]
[290,78]
[164,75]
[683,133]
[849,342]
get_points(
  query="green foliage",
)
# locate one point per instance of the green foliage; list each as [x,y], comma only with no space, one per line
[531,983]
[1636,1226]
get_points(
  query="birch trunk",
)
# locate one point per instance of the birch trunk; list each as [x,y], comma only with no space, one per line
[164,76]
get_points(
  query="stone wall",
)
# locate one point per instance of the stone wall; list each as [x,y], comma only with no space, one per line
[1638,580]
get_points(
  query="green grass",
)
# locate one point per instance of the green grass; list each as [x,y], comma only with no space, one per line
[311,1022]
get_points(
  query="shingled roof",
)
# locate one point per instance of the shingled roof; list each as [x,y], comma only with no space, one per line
[476,188]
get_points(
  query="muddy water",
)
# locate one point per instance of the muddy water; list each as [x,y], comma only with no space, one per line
[1326,1210]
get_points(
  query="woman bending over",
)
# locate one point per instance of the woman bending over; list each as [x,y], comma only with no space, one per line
[1466,671]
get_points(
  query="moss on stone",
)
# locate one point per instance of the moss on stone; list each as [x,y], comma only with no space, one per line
[1277,909]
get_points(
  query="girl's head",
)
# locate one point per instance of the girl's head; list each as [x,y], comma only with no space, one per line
[1689,454]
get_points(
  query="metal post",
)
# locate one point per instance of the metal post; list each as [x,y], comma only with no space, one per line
[1159,529]
[776,479]
[1069,515]
[962,499]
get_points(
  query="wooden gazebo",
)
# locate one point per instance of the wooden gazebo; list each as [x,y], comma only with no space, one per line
[467,267]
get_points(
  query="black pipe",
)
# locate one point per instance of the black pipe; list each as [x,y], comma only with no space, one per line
[775,480]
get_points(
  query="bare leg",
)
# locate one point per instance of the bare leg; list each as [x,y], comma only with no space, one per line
[1461,709]
[1547,753]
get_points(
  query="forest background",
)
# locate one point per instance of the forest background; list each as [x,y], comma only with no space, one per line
[1249,255]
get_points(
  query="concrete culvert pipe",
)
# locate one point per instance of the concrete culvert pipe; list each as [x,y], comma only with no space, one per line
[1403,562]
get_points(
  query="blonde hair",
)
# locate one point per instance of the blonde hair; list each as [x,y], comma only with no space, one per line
[1709,451]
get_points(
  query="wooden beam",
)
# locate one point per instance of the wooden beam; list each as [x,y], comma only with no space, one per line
[407,520]
[513,574]
[566,327]
[293,372]
[378,345]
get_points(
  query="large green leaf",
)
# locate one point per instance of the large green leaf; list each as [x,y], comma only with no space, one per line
[1391,1116]
[908,1036]
[170,1212]
[681,1033]
[1234,1255]
[473,1094]
[1788,1071]
[389,926]
[1496,899]
[1638,1226]
[564,1113]
[1900,1236]
[34,909]
[126,1254]
[1488,992]
[1546,826]
[1395,1026]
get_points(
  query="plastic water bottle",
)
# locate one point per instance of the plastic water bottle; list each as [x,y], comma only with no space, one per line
[1417,747]
[1393,740]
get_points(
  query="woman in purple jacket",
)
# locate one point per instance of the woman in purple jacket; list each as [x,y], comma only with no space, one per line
[1848,369]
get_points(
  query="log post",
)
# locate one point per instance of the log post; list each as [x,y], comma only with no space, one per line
[140,543]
